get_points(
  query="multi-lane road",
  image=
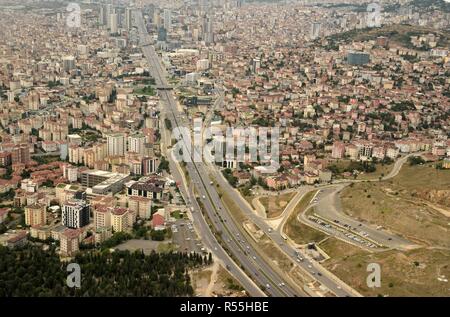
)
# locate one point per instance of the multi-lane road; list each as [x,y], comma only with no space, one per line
[231,236]
[317,271]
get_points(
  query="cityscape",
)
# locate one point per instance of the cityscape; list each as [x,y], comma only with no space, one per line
[224,148]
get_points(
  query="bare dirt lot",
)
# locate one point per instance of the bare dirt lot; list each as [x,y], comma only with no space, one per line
[412,273]
[216,281]
[403,205]
[414,204]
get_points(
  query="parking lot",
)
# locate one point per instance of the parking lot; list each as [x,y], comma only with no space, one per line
[185,237]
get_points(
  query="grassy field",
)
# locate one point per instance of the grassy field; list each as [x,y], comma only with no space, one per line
[399,204]
[147,91]
[299,232]
[382,170]
[275,205]
[412,273]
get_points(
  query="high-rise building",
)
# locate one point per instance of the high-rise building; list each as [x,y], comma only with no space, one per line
[167,20]
[20,154]
[75,214]
[162,34]
[128,19]
[68,63]
[102,218]
[109,10]
[208,31]
[114,23]
[149,165]
[69,242]
[102,17]
[122,219]
[116,144]
[315,30]
[256,64]
[136,144]
[157,19]
[35,215]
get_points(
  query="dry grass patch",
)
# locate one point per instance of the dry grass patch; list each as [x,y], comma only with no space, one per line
[299,232]
[275,205]
[396,205]
[411,273]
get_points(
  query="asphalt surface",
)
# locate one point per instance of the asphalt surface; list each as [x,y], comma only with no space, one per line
[185,237]
[329,207]
[326,278]
[247,257]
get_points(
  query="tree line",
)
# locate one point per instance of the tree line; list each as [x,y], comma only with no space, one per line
[30,271]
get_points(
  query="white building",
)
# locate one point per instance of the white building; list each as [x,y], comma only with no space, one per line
[136,144]
[114,23]
[202,64]
[167,20]
[116,144]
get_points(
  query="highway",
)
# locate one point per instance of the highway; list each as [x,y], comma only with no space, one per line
[231,235]
[309,265]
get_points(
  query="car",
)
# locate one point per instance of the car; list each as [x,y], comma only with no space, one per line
[318,273]
[254,257]
[310,266]
[389,239]
[267,285]
[282,284]
[298,260]
[204,197]
[270,230]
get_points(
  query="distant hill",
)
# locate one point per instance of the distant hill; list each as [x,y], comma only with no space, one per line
[398,34]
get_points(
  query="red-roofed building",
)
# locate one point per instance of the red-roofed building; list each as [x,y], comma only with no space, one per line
[158,219]
[4,214]
[69,242]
